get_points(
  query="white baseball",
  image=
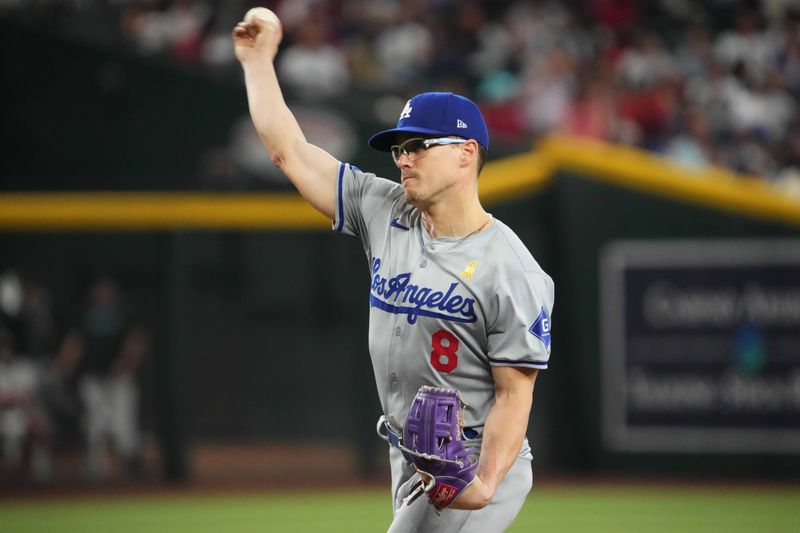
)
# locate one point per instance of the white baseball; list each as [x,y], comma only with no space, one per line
[265,15]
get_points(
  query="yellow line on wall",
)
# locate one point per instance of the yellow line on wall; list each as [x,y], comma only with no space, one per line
[511,177]
[639,170]
[157,211]
[502,180]
[119,211]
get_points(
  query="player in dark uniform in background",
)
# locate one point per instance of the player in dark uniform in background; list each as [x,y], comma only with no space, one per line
[102,353]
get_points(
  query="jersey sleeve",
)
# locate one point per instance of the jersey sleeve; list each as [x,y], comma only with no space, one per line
[520,332]
[359,196]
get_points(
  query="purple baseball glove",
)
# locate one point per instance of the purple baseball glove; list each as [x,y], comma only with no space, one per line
[432,435]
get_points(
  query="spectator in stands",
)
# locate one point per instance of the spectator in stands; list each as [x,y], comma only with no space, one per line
[648,63]
[176,28]
[312,66]
[694,56]
[789,176]
[694,145]
[747,45]
[547,87]
[405,49]
[593,112]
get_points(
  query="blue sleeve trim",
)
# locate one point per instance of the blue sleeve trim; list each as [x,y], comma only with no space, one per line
[339,199]
[511,362]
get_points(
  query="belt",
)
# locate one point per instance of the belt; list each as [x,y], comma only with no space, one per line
[388,431]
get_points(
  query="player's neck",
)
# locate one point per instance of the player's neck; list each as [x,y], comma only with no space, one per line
[459,220]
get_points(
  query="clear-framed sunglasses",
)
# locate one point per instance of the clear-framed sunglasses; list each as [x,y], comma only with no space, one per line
[417,145]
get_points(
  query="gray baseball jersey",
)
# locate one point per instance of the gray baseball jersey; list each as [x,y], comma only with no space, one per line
[444,311]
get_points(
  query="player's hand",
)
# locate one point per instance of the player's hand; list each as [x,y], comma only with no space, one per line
[257,40]
[476,496]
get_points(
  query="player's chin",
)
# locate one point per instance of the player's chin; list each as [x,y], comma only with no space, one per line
[411,190]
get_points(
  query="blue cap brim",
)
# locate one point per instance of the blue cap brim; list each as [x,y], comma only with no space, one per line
[384,140]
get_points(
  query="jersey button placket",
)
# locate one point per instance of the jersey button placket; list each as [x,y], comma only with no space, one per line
[396,348]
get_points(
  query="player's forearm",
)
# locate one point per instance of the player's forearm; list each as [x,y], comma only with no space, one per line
[503,434]
[274,122]
[308,167]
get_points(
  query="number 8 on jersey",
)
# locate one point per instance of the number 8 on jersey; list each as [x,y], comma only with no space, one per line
[444,357]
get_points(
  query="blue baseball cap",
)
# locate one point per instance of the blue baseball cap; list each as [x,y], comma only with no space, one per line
[442,114]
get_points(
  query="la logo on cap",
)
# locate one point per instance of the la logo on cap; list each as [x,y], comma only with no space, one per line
[406,113]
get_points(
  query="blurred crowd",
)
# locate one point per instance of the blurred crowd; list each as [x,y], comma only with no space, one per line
[702,83]
[62,384]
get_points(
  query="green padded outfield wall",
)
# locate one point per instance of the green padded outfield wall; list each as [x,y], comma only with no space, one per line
[691,246]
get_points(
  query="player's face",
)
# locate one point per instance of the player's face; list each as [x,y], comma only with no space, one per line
[424,165]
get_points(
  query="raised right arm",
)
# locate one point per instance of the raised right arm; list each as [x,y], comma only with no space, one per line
[311,169]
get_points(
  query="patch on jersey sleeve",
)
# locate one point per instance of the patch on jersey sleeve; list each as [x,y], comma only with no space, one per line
[541,328]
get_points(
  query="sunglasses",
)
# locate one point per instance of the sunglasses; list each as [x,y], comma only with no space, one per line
[417,145]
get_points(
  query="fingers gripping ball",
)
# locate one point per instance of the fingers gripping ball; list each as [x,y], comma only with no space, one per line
[266,16]
[433,435]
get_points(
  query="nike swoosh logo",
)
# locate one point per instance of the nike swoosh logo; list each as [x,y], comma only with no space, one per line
[396,224]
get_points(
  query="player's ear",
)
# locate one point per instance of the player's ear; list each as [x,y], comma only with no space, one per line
[469,152]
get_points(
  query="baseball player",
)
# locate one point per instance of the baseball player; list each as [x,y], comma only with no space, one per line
[102,353]
[457,301]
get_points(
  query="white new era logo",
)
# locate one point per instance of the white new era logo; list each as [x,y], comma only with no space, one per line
[406,113]
[461,124]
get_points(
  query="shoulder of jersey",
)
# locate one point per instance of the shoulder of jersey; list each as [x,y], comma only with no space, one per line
[511,252]
[396,188]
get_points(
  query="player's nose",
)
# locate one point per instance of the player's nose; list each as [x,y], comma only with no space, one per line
[403,161]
